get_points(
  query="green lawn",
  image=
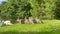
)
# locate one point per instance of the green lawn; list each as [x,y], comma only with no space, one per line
[49,27]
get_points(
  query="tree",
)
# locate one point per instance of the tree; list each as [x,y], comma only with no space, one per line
[57,9]
[42,8]
[16,8]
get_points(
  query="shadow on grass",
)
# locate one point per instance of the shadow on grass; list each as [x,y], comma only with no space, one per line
[16,32]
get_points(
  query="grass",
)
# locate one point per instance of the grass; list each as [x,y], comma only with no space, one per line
[49,27]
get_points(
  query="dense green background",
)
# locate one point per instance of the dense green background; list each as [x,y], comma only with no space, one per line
[44,9]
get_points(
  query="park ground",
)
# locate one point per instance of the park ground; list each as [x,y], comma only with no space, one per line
[49,27]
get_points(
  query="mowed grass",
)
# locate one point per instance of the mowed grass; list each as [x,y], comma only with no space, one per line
[49,27]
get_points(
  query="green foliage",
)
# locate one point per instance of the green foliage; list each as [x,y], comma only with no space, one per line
[45,9]
[49,7]
[57,10]
[16,8]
